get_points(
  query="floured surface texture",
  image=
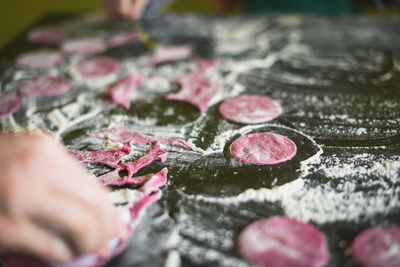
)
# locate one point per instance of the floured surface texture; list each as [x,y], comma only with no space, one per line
[338,88]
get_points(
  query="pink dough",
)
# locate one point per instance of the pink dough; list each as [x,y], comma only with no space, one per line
[44,85]
[250,109]
[378,247]
[9,104]
[197,89]
[47,35]
[99,67]
[155,153]
[124,38]
[283,242]
[171,53]
[109,157]
[84,46]
[42,59]
[263,149]
[122,134]
[113,179]
[121,93]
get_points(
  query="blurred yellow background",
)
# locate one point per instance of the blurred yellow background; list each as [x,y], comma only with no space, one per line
[17,15]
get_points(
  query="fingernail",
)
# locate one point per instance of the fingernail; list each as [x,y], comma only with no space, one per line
[61,252]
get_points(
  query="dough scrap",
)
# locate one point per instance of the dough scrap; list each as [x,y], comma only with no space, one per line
[197,88]
[96,68]
[378,247]
[263,149]
[166,53]
[9,103]
[155,153]
[121,93]
[84,46]
[108,157]
[41,59]
[44,86]
[47,35]
[122,134]
[250,109]
[124,38]
[283,242]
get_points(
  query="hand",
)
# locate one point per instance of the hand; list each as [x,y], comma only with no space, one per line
[126,9]
[49,206]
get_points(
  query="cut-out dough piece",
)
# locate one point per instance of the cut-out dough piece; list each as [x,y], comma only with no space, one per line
[42,59]
[155,153]
[250,109]
[44,85]
[9,103]
[378,247]
[84,46]
[108,157]
[197,88]
[283,242]
[95,68]
[47,35]
[263,149]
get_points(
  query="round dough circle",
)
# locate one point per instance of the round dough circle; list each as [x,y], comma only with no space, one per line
[250,109]
[43,59]
[263,149]
[47,35]
[283,242]
[9,103]
[376,247]
[97,68]
[44,85]
[84,46]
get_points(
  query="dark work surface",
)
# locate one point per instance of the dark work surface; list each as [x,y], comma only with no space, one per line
[338,80]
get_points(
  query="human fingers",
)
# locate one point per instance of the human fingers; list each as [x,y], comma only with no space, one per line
[76,224]
[112,8]
[137,9]
[24,236]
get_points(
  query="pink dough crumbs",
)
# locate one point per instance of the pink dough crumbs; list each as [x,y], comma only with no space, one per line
[123,134]
[171,53]
[44,85]
[121,93]
[283,242]
[84,46]
[47,35]
[263,149]
[42,59]
[9,103]
[197,89]
[378,247]
[109,157]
